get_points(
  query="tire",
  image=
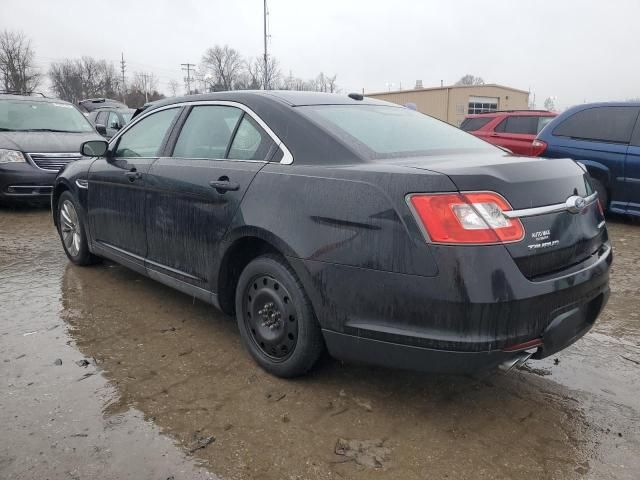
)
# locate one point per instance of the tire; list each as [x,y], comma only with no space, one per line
[603,195]
[275,318]
[72,231]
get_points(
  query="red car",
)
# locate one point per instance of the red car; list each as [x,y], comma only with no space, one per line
[513,129]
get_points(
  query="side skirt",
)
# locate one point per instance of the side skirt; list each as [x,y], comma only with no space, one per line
[137,264]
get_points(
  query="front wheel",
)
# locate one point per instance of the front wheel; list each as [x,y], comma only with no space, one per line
[72,231]
[276,319]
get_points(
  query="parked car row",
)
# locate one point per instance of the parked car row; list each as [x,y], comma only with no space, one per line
[604,137]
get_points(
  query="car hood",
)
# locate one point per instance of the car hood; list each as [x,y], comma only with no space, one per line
[48,142]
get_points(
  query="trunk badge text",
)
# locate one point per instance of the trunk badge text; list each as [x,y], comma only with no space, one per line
[542,240]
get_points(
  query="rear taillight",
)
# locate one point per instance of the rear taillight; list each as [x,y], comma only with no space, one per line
[466,218]
[538,147]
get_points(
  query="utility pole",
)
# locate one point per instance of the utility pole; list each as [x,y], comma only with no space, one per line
[123,67]
[266,64]
[145,76]
[187,67]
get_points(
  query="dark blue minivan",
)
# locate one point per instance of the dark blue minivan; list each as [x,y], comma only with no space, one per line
[605,138]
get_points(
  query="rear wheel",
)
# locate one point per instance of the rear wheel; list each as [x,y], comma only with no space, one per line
[275,318]
[72,231]
[603,195]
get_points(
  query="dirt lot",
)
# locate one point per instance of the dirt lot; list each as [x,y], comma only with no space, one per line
[108,375]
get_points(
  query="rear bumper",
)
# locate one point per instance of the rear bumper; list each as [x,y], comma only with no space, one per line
[472,319]
[24,182]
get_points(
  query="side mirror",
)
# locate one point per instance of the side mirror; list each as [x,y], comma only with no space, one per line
[94,148]
[102,130]
[116,126]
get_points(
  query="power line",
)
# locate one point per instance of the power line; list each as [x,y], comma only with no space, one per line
[187,67]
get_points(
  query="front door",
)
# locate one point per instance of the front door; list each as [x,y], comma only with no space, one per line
[195,192]
[116,197]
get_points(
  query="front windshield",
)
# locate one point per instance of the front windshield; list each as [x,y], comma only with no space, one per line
[387,131]
[25,115]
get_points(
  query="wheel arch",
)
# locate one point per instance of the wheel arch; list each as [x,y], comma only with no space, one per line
[60,187]
[242,246]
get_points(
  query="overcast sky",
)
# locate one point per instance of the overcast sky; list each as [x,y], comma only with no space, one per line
[575,50]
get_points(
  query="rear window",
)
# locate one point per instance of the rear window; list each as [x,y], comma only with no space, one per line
[383,132]
[473,124]
[604,124]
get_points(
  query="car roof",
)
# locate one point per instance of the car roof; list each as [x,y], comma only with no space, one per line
[289,97]
[514,113]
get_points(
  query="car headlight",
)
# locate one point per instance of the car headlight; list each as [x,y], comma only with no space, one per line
[11,156]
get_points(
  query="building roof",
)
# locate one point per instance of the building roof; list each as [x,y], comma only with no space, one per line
[446,87]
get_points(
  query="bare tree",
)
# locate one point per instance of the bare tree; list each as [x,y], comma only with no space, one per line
[549,104]
[173,87]
[75,79]
[469,79]
[17,63]
[224,64]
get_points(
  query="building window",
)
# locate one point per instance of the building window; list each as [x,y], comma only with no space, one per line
[482,104]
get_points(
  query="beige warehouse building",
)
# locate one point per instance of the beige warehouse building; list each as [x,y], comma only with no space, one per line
[453,103]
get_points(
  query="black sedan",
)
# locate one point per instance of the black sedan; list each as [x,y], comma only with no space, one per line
[339,222]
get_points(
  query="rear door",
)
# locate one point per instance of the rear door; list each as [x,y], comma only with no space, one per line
[197,187]
[116,205]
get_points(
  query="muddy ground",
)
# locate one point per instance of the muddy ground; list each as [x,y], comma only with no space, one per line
[106,374]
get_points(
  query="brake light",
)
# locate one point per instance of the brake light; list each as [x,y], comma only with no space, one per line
[538,147]
[467,218]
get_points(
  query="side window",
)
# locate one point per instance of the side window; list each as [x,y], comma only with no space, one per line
[543,122]
[113,121]
[101,118]
[473,124]
[251,142]
[145,138]
[522,125]
[207,132]
[501,127]
[604,124]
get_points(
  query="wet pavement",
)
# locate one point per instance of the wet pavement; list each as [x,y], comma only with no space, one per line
[106,374]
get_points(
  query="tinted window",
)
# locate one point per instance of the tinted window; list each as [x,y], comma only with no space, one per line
[605,124]
[521,125]
[113,121]
[207,132]
[250,142]
[473,124]
[145,138]
[381,131]
[543,122]
[101,118]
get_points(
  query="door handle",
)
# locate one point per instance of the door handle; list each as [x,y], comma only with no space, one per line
[133,175]
[224,185]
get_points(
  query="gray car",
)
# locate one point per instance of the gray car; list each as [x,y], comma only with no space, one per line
[109,120]
[38,137]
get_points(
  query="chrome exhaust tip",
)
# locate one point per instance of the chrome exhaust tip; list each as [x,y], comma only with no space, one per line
[516,361]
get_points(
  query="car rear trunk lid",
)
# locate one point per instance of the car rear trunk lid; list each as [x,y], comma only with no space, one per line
[556,237]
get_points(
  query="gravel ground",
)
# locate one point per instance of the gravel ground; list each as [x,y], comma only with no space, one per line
[106,374]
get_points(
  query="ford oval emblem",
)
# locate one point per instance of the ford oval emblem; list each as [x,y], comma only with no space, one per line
[575,204]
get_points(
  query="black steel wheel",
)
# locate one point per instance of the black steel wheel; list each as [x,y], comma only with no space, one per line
[275,318]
